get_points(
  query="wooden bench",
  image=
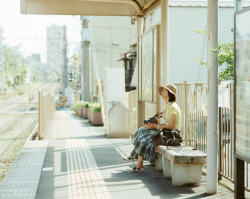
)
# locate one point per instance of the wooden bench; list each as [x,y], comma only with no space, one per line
[181,163]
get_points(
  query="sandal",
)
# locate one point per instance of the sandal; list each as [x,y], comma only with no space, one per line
[129,159]
[134,169]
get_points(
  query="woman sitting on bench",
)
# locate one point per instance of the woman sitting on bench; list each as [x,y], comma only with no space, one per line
[142,141]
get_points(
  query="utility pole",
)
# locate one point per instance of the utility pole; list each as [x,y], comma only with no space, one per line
[65,68]
[63,61]
[86,60]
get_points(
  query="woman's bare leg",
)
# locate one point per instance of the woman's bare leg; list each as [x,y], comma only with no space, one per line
[140,162]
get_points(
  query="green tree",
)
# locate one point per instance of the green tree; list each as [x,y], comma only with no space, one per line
[225,58]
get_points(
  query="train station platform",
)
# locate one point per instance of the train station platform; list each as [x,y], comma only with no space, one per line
[77,160]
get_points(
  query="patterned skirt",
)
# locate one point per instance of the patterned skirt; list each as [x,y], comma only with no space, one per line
[143,144]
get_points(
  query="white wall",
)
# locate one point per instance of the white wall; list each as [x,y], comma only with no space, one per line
[109,31]
[185,45]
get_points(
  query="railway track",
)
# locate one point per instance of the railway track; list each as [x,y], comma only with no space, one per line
[14,109]
[13,137]
[19,123]
[8,126]
[28,100]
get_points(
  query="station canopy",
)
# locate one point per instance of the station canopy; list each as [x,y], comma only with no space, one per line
[89,7]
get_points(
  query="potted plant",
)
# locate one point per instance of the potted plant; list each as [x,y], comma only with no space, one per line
[85,109]
[77,107]
[95,117]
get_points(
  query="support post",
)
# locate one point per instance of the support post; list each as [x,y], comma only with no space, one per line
[239,174]
[237,5]
[40,116]
[185,111]
[158,81]
[164,46]
[164,43]
[212,99]
[141,104]
[220,155]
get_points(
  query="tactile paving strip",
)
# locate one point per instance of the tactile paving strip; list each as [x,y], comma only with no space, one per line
[22,179]
[85,178]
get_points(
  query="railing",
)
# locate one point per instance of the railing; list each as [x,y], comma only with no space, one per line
[226,143]
[46,109]
[191,99]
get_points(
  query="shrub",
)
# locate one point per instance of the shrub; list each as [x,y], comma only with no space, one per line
[77,104]
[86,104]
[95,107]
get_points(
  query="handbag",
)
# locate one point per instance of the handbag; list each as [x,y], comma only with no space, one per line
[170,137]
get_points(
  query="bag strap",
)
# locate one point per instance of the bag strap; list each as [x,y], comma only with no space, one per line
[173,133]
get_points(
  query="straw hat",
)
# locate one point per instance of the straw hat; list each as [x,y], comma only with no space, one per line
[170,87]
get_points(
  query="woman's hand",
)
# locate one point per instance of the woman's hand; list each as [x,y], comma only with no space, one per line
[160,115]
[151,126]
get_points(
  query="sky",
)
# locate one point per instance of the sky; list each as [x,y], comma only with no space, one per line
[29,31]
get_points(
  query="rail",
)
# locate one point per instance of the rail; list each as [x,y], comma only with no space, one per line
[5,128]
[226,147]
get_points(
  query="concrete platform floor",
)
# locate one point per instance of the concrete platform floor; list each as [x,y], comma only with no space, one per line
[106,172]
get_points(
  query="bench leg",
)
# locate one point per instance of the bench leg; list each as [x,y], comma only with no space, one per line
[186,174]
[158,162]
[166,168]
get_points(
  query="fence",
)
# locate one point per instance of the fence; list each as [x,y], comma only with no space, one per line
[226,143]
[46,109]
[192,101]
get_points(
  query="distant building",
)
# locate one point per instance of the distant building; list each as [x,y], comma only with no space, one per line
[56,44]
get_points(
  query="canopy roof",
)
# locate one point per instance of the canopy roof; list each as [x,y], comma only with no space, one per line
[89,7]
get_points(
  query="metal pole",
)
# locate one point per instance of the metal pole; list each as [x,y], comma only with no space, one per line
[212,97]
[141,104]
